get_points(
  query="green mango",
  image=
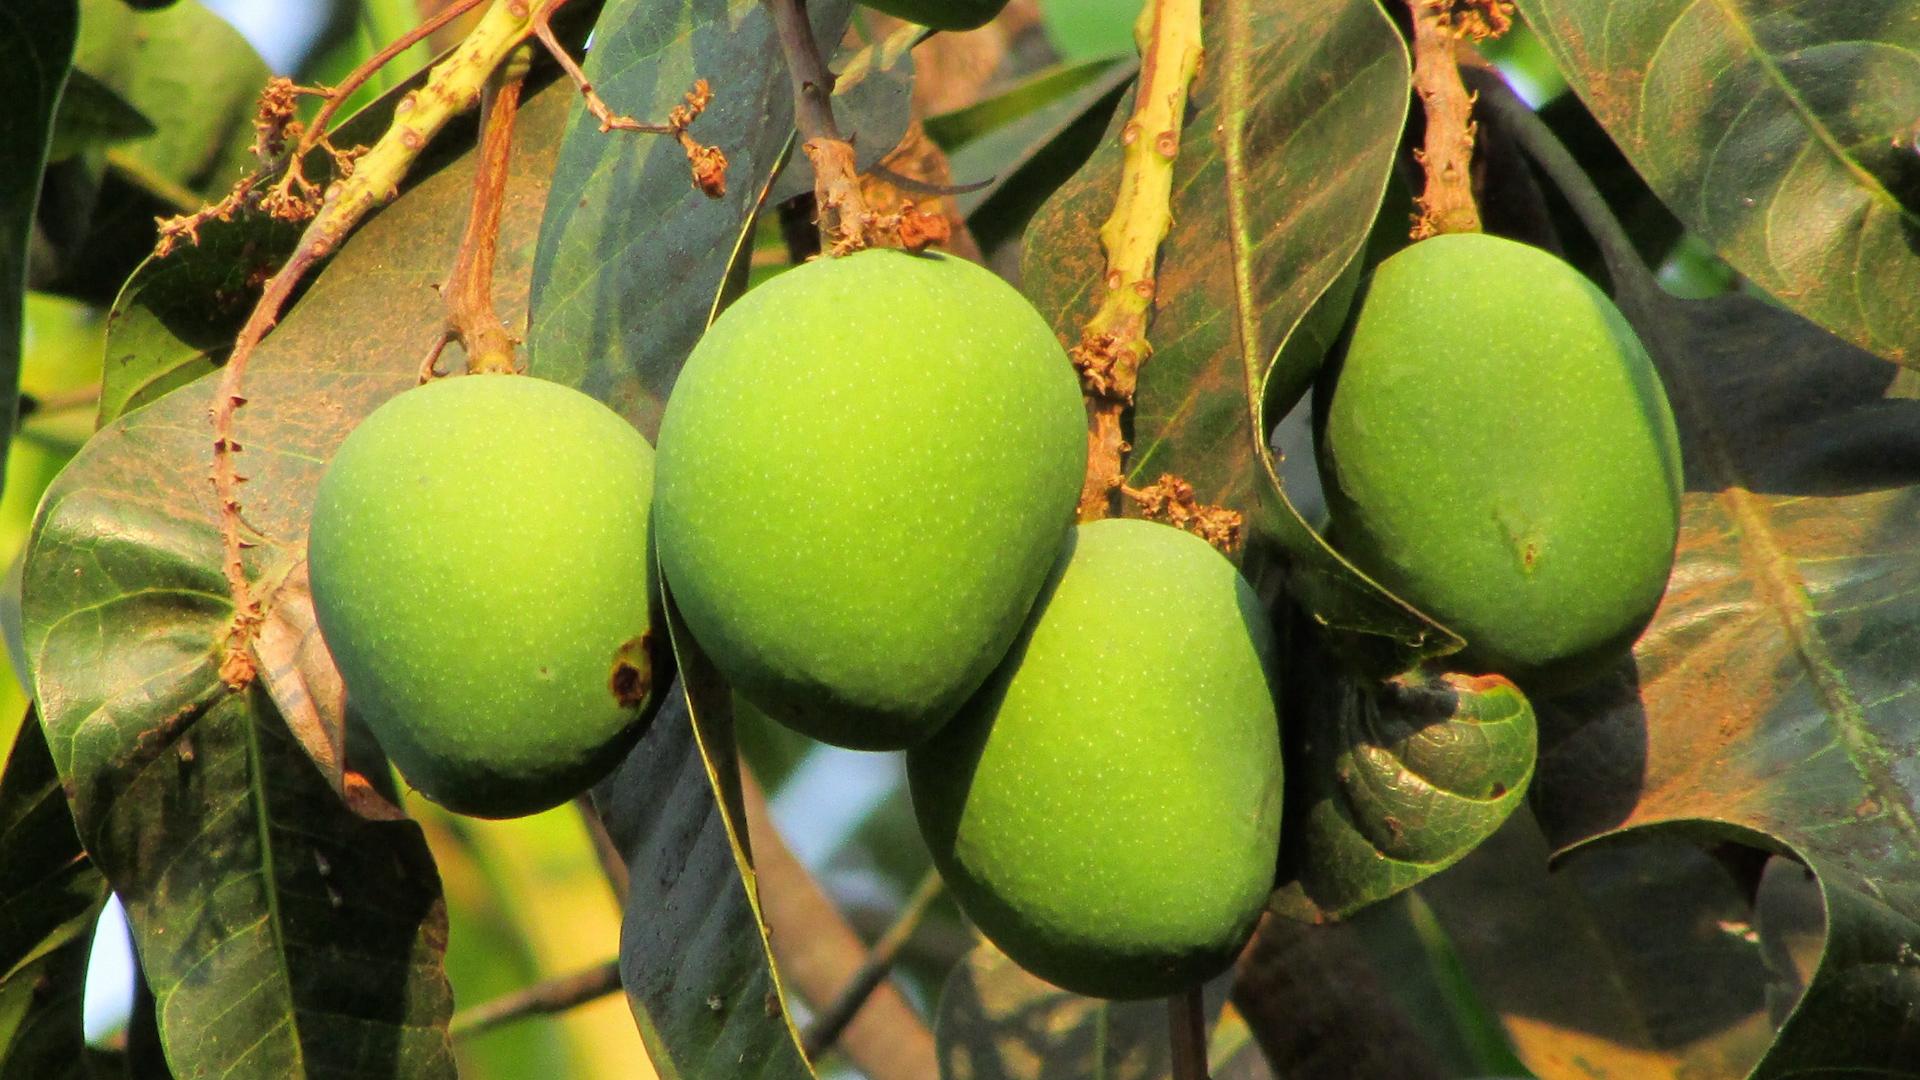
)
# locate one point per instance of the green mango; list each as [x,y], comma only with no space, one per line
[941,14]
[1107,809]
[1497,449]
[482,576]
[866,469]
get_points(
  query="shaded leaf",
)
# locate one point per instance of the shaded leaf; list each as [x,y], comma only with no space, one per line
[1770,701]
[36,44]
[996,1022]
[694,953]
[176,318]
[1025,142]
[192,76]
[1635,959]
[50,898]
[1275,188]
[1784,133]
[1399,780]
[92,115]
[872,103]
[282,933]
[632,259]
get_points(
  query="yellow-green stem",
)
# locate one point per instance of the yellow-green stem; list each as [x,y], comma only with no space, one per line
[452,87]
[1113,344]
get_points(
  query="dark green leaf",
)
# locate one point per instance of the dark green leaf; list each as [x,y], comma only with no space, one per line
[1395,781]
[91,115]
[191,75]
[1276,186]
[36,44]
[1770,702]
[1783,133]
[176,318]
[282,933]
[1026,142]
[631,258]
[694,953]
[996,1022]
[50,898]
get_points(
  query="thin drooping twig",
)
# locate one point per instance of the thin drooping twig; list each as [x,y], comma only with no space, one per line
[832,1021]
[543,998]
[612,864]
[468,291]
[1446,202]
[1113,344]
[818,954]
[1187,1029]
[844,218]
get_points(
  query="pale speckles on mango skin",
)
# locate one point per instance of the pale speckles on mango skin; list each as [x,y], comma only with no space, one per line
[1498,451]
[1107,809]
[479,555]
[866,469]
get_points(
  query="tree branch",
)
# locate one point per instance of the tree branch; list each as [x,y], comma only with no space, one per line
[554,995]
[1187,1028]
[1446,203]
[819,953]
[1113,344]
[832,1021]
[845,220]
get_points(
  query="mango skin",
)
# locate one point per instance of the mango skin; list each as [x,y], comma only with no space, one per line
[481,567]
[866,469]
[941,14]
[1497,449]
[1107,809]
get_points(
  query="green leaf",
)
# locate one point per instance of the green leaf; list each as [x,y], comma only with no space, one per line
[36,43]
[1399,780]
[1276,186]
[1023,144]
[694,952]
[176,318]
[632,258]
[1770,701]
[91,115]
[283,934]
[1784,134]
[191,75]
[50,898]
[996,1022]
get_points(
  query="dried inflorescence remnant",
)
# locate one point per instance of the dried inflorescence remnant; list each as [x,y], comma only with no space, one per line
[1476,20]
[1172,500]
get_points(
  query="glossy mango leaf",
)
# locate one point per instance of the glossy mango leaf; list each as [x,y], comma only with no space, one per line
[192,76]
[1639,958]
[50,898]
[1770,702]
[1397,781]
[695,956]
[1783,131]
[994,1021]
[245,876]
[91,114]
[36,48]
[632,259]
[1276,186]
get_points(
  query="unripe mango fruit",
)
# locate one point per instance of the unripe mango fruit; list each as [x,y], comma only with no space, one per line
[481,572]
[1107,809]
[1497,449]
[866,469]
[941,14]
